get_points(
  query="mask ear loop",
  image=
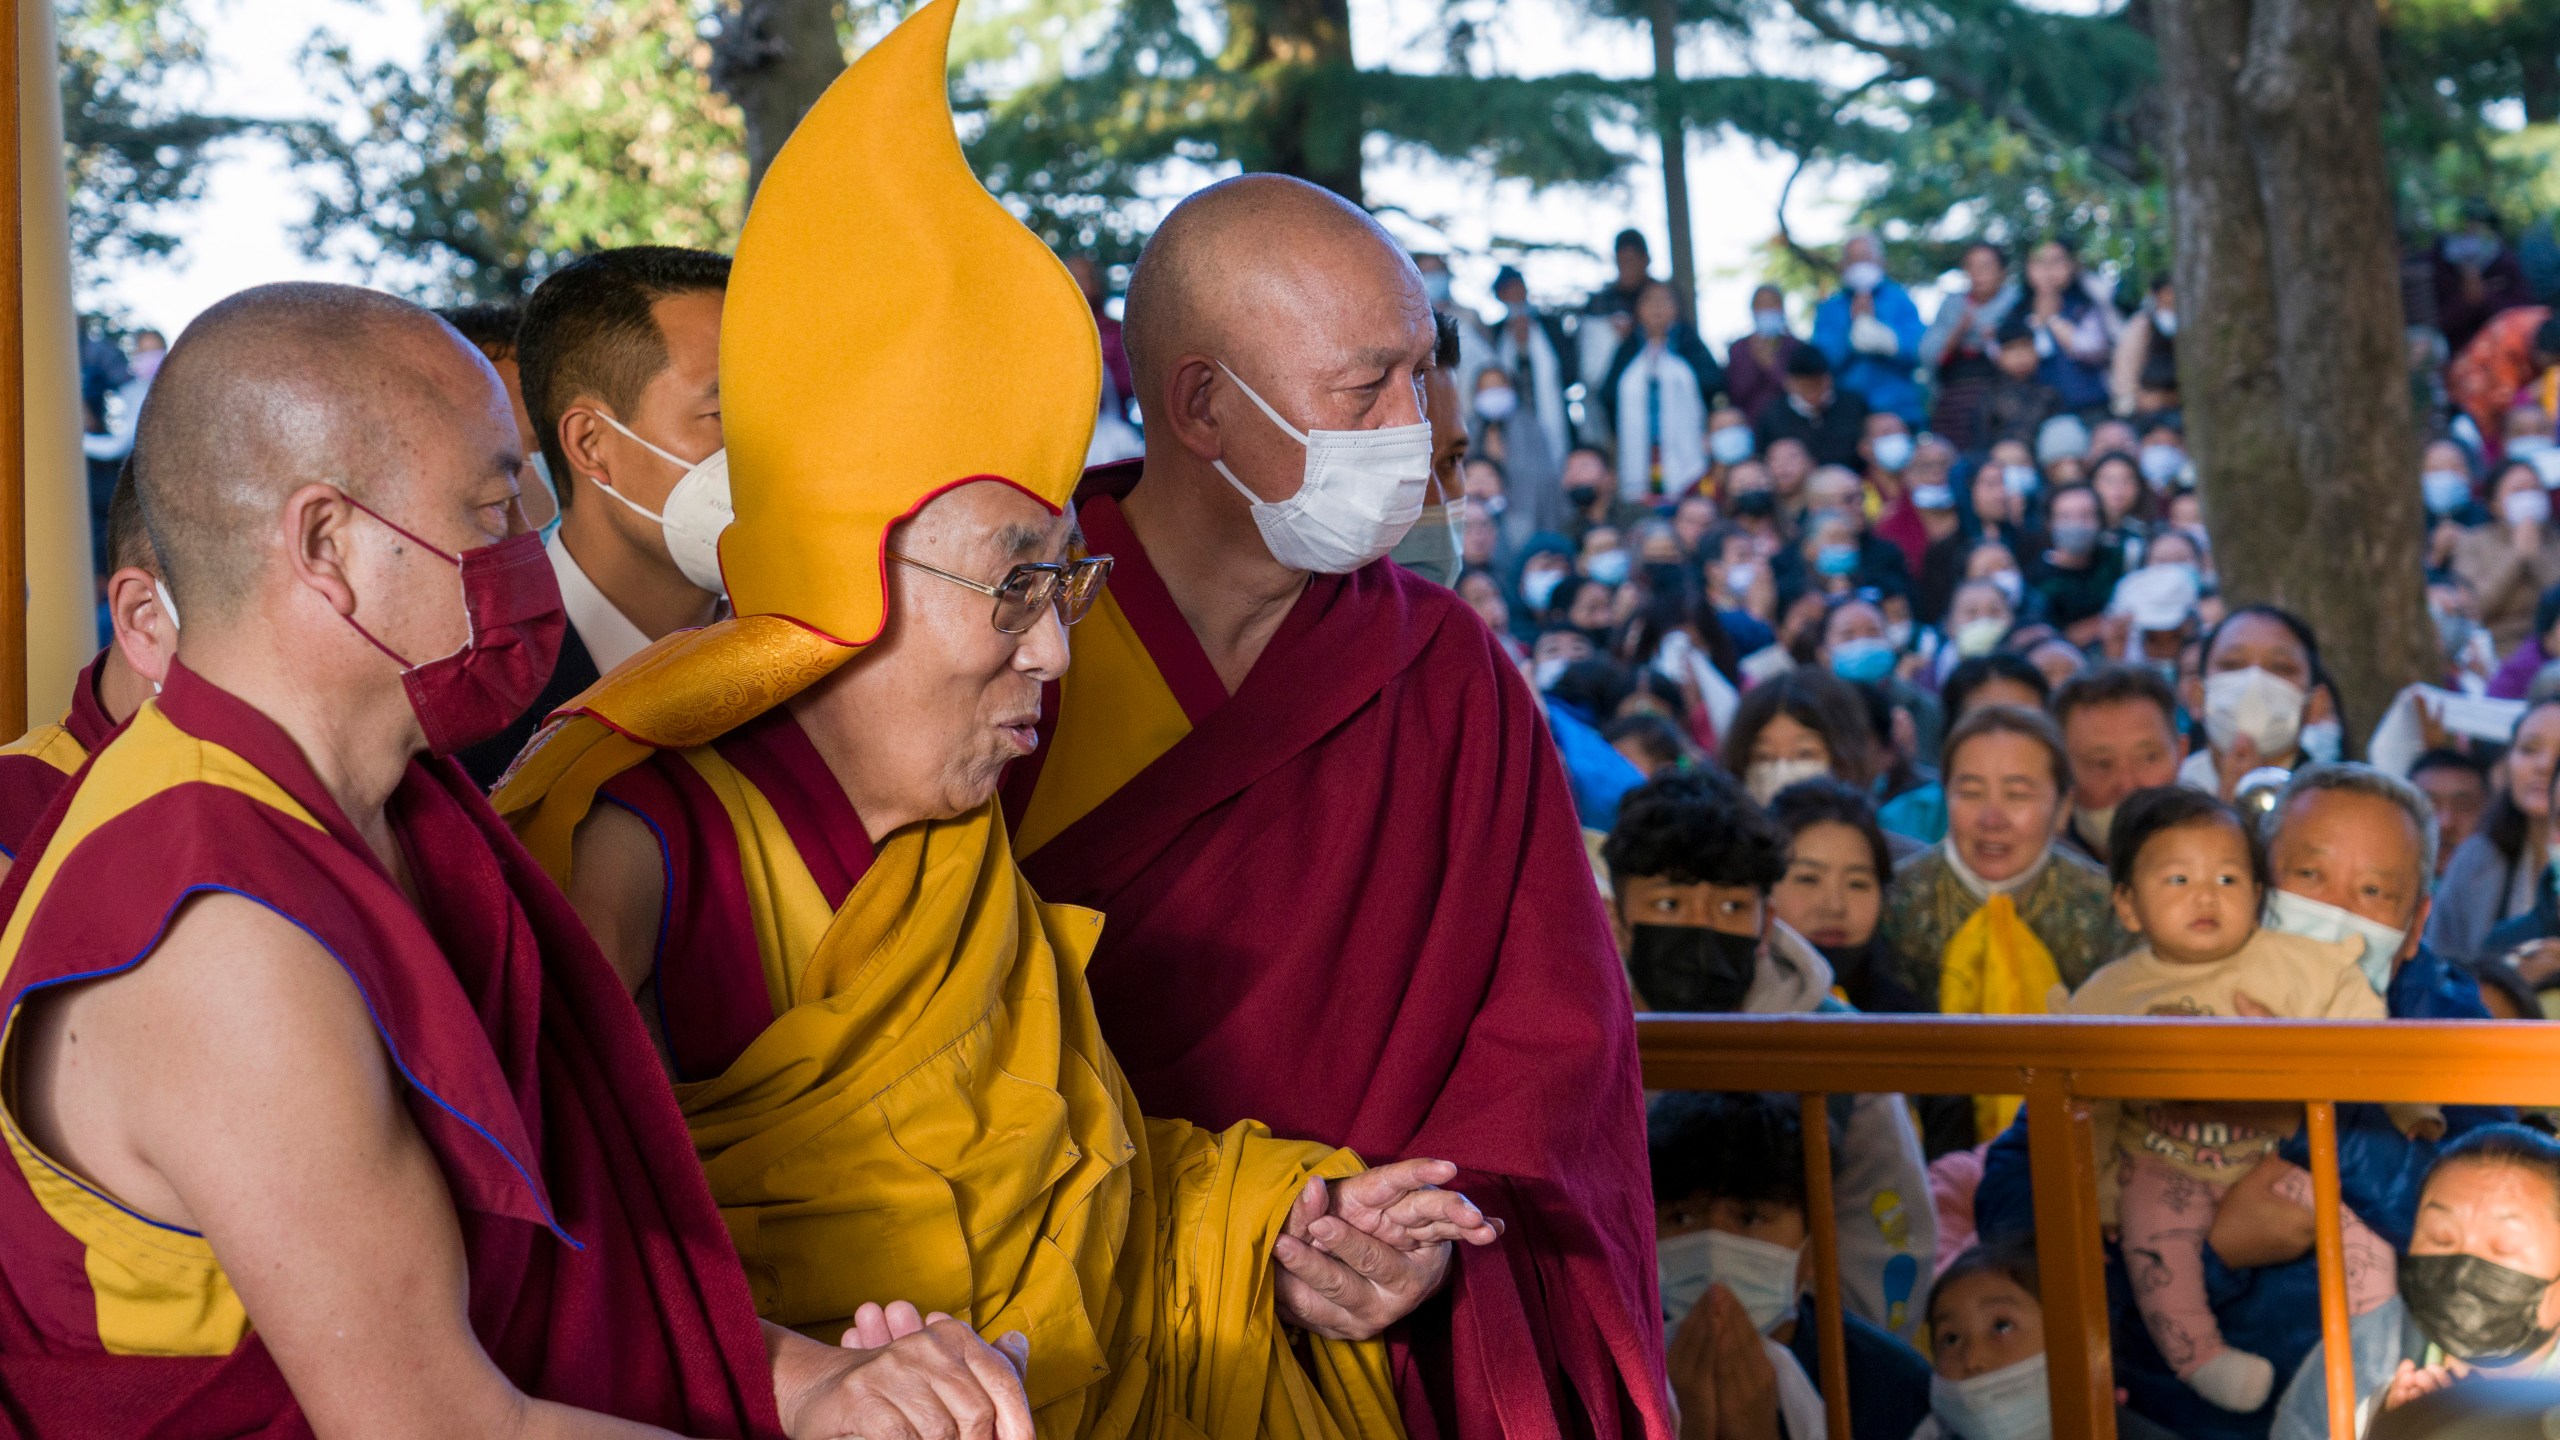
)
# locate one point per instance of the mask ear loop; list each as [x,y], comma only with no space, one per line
[655,517]
[471,627]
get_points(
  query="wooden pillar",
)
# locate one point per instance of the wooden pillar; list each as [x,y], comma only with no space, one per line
[13,409]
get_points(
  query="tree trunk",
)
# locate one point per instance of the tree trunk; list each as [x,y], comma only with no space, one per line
[2292,360]
[1673,128]
[1311,120]
[774,58]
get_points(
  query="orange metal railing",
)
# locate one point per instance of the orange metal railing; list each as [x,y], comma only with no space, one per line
[2060,1065]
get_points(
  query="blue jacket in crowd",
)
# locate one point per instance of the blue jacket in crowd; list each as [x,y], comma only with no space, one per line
[1885,382]
[1598,773]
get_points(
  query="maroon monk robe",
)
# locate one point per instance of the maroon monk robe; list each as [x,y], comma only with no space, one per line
[710,993]
[600,1274]
[28,782]
[1354,903]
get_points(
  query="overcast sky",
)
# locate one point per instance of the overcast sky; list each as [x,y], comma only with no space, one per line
[242,234]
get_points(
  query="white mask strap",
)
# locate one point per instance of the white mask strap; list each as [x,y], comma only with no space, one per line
[168,606]
[643,511]
[1292,431]
[680,464]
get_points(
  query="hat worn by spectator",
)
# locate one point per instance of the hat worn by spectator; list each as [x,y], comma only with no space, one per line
[2064,437]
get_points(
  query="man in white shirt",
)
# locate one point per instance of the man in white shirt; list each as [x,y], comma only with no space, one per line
[620,354]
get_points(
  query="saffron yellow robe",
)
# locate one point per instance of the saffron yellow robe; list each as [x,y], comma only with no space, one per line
[933,1116]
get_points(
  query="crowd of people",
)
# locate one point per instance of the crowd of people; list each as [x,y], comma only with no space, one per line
[1891,663]
[740,980]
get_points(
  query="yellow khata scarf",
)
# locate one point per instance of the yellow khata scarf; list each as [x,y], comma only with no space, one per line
[1995,965]
[935,1118]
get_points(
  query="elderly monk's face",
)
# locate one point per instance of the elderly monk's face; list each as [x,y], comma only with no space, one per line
[454,487]
[945,698]
[1338,339]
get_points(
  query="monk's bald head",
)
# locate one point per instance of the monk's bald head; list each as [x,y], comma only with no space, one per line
[1254,265]
[284,386]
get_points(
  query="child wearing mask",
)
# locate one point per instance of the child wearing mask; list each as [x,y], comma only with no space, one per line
[1986,1347]
[1730,1245]
[1691,863]
[2190,879]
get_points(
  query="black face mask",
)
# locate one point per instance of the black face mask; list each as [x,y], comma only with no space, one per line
[1755,504]
[2480,1311]
[1582,496]
[1690,968]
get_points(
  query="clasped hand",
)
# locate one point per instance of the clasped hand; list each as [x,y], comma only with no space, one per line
[902,1375]
[1359,1254]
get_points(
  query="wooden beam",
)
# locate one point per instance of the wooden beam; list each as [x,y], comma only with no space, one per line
[2451,1062]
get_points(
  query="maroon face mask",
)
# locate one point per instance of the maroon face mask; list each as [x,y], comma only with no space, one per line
[513,601]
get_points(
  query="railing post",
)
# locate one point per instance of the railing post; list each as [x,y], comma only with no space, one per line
[2070,1260]
[1824,1225]
[2329,1243]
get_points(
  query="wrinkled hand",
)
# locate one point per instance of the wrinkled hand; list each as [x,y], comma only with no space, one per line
[899,1375]
[1358,1255]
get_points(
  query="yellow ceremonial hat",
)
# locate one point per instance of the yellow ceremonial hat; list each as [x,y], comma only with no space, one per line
[890,331]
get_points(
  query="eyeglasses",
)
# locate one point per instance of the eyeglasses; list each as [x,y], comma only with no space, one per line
[1029,589]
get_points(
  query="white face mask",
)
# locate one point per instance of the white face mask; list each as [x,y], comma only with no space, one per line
[2324,741]
[1740,576]
[1544,675]
[2094,824]
[1430,548]
[1862,275]
[2004,1404]
[1497,403]
[1980,636]
[697,509]
[1539,586]
[2317,920]
[1761,1275]
[1766,778]
[2011,584]
[1362,491]
[2257,704]
[2526,507]
[1730,445]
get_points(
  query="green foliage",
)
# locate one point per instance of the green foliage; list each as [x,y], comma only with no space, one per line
[134,155]
[1077,102]
[537,129]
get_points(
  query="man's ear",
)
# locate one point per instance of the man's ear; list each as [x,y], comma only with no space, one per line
[1187,410]
[316,525]
[144,634]
[582,445]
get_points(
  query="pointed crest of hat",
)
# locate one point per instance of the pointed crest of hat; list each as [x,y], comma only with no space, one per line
[890,332]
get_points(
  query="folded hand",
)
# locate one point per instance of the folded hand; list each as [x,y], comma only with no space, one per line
[1358,1255]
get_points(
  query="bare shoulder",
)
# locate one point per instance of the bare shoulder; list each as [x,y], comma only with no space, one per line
[617,884]
[237,1020]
